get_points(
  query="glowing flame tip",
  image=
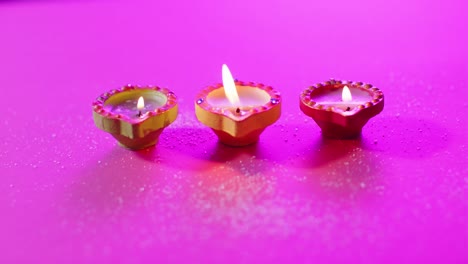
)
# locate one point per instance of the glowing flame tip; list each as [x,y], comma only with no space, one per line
[229,86]
[141,103]
[346,94]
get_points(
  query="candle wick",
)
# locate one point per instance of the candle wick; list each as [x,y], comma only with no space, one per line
[349,108]
[139,113]
[238,110]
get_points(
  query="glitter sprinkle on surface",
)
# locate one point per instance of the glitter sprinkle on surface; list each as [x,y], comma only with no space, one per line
[71,194]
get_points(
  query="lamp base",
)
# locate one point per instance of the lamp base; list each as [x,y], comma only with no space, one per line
[334,131]
[232,141]
[138,143]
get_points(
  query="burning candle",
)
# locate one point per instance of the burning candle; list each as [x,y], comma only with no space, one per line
[238,112]
[341,109]
[134,115]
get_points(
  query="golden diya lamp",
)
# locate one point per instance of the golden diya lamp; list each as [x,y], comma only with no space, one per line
[237,112]
[135,115]
[341,109]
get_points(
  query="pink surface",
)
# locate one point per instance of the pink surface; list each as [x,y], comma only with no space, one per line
[69,194]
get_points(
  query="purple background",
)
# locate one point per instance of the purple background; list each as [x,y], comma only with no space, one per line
[70,194]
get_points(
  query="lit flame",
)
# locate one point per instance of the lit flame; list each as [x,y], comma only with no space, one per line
[229,86]
[346,95]
[141,103]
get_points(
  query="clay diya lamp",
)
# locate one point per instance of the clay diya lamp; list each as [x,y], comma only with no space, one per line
[135,115]
[341,109]
[238,112]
